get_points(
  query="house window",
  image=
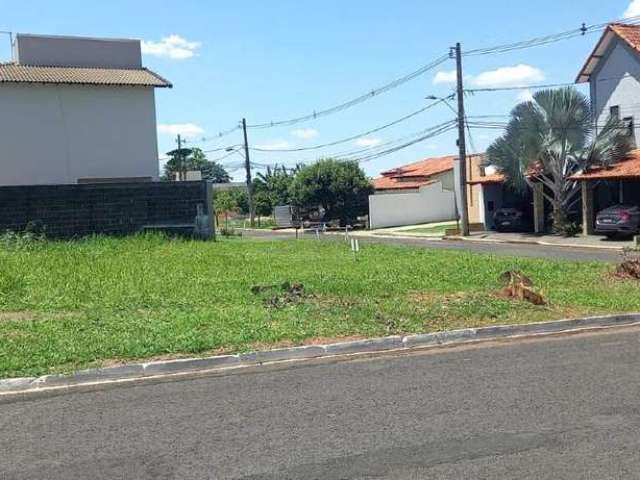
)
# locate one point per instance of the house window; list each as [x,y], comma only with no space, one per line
[614,112]
[627,123]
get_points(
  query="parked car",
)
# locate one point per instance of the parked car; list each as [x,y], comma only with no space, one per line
[510,219]
[618,220]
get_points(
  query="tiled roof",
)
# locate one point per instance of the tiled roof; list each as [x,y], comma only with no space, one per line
[489,179]
[630,34]
[14,73]
[414,175]
[627,169]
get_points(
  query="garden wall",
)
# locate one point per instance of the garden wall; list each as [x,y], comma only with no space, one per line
[106,208]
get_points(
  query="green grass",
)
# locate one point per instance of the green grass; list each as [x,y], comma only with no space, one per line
[66,305]
[435,230]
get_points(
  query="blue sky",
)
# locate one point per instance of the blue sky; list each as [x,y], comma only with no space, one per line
[286,58]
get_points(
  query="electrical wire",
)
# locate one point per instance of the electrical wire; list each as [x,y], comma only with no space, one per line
[548,39]
[354,137]
[355,101]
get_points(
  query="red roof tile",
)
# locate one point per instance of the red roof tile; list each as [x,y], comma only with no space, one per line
[627,169]
[414,175]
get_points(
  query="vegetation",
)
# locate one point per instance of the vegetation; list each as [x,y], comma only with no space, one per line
[66,305]
[552,138]
[340,187]
[195,159]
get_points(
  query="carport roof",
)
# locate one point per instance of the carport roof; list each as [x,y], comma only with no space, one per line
[488,179]
[626,170]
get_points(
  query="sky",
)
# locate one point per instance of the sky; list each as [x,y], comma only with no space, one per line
[281,59]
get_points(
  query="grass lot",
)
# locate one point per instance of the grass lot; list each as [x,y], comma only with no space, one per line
[67,305]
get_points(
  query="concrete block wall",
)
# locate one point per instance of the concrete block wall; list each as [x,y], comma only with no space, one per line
[68,211]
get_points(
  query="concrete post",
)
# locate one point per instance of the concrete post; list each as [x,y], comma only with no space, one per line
[587,208]
[538,208]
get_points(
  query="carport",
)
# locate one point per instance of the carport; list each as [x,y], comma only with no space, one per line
[603,187]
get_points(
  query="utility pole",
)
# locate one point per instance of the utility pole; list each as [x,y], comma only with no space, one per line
[247,165]
[462,146]
[181,172]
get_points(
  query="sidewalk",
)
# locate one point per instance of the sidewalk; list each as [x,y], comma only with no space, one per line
[579,241]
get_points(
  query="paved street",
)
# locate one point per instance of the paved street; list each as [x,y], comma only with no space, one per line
[508,249]
[564,407]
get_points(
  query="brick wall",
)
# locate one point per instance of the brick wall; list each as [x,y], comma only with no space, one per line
[111,208]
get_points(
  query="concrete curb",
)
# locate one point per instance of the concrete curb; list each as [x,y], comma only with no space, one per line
[92,379]
[535,242]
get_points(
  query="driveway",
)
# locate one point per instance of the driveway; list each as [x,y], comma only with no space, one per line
[562,407]
[508,249]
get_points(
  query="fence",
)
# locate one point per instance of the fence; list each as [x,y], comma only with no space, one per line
[109,208]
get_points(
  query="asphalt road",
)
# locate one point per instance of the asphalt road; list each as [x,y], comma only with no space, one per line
[507,249]
[556,408]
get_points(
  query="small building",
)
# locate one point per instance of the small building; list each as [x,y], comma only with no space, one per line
[423,192]
[77,110]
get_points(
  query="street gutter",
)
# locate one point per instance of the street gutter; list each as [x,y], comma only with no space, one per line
[20,389]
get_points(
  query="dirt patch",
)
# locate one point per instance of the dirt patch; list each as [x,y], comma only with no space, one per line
[519,286]
[16,316]
[629,269]
[280,295]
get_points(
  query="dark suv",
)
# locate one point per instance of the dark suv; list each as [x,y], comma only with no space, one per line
[619,220]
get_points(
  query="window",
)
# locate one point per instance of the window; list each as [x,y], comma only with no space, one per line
[627,123]
[614,112]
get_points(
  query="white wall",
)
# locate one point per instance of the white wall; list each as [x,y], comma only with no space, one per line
[616,82]
[431,204]
[60,51]
[61,133]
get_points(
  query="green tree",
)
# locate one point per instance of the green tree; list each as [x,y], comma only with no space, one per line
[550,139]
[195,159]
[340,187]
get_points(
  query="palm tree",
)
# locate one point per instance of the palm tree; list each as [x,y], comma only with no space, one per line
[551,138]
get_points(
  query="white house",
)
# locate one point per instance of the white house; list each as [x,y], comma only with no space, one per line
[77,110]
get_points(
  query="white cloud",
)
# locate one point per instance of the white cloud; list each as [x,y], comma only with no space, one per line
[368,142]
[187,130]
[445,77]
[633,10]
[514,76]
[275,145]
[305,133]
[525,96]
[173,46]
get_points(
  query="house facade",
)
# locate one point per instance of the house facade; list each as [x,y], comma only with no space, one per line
[613,73]
[77,110]
[423,192]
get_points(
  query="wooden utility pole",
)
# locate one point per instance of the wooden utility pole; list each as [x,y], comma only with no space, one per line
[181,173]
[247,165]
[462,146]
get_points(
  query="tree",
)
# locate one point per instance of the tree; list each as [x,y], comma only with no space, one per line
[272,187]
[230,201]
[340,187]
[551,138]
[195,159]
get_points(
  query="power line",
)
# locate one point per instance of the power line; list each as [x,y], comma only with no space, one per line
[523,87]
[382,146]
[354,137]
[435,131]
[548,39]
[362,98]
